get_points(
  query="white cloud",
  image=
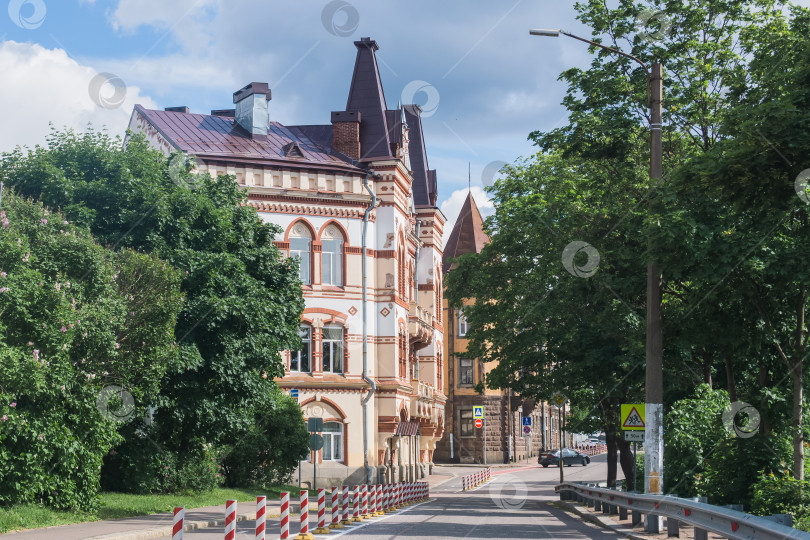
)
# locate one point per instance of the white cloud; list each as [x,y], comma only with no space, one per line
[452,206]
[42,86]
[130,14]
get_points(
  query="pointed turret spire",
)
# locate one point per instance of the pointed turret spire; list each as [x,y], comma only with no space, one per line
[366,96]
[468,234]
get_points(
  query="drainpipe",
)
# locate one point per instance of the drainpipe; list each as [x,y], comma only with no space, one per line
[368,379]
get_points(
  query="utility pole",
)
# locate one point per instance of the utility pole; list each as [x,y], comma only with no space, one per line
[654,382]
[561,412]
[654,378]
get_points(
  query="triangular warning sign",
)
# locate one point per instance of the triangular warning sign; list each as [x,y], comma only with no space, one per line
[633,420]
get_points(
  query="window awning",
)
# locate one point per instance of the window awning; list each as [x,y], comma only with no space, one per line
[407,429]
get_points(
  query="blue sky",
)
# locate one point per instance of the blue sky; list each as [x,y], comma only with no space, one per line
[484,82]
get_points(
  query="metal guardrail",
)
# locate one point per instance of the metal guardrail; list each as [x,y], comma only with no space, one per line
[705,518]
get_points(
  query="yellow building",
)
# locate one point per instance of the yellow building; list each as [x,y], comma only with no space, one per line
[502,430]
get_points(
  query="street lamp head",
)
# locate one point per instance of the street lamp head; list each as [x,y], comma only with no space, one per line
[544,32]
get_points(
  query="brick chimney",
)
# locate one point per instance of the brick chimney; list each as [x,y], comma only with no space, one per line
[251,109]
[346,133]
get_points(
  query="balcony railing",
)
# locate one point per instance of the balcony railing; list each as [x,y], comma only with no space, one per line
[420,323]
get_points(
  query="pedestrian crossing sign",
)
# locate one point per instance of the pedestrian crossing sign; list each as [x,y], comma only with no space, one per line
[633,416]
[478,413]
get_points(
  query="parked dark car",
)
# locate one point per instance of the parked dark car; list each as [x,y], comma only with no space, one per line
[570,457]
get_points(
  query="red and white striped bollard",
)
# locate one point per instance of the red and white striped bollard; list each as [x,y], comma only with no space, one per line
[364,500]
[322,528]
[285,515]
[356,504]
[261,511]
[335,509]
[230,520]
[346,496]
[303,532]
[178,523]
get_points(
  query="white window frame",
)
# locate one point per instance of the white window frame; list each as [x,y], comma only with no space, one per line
[462,369]
[304,260]
[334,439]
[463,326]
[307,341]
[332,262]
[330,346]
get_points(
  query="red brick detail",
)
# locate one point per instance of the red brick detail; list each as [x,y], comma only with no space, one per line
[346,138]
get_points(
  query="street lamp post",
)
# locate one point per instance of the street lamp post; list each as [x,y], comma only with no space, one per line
[654,380]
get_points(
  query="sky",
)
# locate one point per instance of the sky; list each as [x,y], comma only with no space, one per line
[484,84]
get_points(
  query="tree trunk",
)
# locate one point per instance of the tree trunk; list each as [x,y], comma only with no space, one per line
[626,461]
[764,427]
[707,367]
[798,431]
[610,439]
[732,386]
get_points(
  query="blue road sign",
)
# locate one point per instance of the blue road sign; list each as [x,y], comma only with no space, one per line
[294,394]
[527,420]
[478,413]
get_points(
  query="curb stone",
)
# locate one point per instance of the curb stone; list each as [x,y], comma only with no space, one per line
[162,532]
[603,522]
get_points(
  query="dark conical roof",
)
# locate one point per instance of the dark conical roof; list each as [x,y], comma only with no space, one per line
[366,96]
[468,234]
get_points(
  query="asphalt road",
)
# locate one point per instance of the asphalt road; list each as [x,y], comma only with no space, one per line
[514,504]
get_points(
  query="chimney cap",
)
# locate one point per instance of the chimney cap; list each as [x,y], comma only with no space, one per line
[345,116]
[367,42]
[250,89]
[227,113]
[182,109]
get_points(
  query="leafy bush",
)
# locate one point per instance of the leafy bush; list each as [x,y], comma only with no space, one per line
[693,427]
[270,452]
[243,300]
[782,495]
[73,319]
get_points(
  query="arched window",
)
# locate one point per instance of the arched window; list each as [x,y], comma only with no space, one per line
[332,257]
[332,441]
[301,247]
[300,359]
[333,348]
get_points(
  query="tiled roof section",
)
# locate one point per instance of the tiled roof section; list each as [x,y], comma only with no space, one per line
[468,234]
[418,156]
[320,135]
[394,123]
[366,96]
[214,136]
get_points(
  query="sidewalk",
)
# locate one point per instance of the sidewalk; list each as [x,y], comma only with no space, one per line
[160,525]
[141,527]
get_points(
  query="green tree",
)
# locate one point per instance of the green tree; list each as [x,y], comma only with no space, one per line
[242,299]
[76,322]
[748,236]
[553,318]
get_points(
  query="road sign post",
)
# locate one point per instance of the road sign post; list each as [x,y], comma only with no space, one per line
[633,424]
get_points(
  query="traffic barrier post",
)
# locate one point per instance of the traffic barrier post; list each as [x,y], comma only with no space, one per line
[285,515]
[364,500]
[303,532]
[178,523]
[346,499]
[335,509]
[261,511]
[356,504]
[230,520]
[372,500]
[322,528]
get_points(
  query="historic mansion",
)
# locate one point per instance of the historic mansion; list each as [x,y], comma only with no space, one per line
[357,202]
